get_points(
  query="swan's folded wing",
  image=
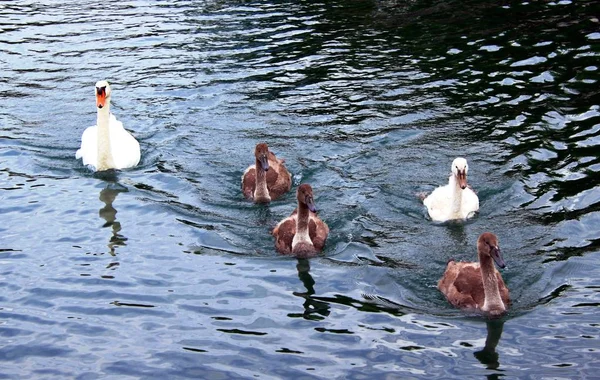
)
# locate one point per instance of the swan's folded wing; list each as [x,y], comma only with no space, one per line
[439,198]
[470,200]
[89,146]
[455,285]
[249,182]
[274,160]
[272,176]
[284,235]
[318,231]
[438,203]
[125,148]
[469,282]
[279,181]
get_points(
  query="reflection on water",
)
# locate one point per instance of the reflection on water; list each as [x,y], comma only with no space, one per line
[488,355]
[313,309]
[457,233]
[109,214]
[368,101]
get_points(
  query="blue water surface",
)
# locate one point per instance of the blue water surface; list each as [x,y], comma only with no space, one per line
[166,271]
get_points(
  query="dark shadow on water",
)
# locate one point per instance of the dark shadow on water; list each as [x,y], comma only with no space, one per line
[111,176]
[488,355]
[263,215]
[109,214]
[457,232]
[313,308]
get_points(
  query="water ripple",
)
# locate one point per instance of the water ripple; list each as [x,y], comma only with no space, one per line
[166,271]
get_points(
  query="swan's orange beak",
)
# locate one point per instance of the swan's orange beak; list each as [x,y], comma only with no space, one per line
[100,96]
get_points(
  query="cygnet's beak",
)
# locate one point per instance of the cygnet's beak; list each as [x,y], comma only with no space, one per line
[310,203]
[497,256]
[100,96]
[264,162]
[462,179]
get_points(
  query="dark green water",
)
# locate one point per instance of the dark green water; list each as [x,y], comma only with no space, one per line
[165,271]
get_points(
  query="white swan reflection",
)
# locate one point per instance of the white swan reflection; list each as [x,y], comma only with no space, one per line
[109,214]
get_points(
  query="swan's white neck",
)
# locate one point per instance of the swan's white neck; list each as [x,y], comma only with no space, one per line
[105,159]
[456,198]
[493,301]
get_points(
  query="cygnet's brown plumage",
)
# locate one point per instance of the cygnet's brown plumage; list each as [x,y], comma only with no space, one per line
[268,178]
[477,286]
[302,233]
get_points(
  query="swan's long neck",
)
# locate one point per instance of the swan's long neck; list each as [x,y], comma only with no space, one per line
[261,193]
[303,216]
[301,242]
[105,158]
[493,301]
[456,198]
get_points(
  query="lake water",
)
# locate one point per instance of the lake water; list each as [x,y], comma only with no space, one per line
[165,271]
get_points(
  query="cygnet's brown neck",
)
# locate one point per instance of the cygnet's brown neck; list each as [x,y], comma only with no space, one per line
[261,193]
[493,302]
[303,216]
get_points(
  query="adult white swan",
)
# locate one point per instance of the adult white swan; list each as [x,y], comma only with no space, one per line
[454,200]
[107,145]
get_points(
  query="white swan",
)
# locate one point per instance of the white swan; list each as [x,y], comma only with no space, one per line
[107,145]
[454,200]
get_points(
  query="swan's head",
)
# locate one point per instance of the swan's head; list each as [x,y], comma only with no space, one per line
[102,93]
[460,169]
[487,245]
[262,155]
[305,196]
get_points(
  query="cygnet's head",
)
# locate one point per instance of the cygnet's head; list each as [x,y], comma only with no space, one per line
[304,195]
[487,245]
[261,152]
[102,93]
[459,170]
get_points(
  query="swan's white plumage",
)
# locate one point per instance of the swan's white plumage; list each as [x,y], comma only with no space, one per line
[123,148]
[450,202]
